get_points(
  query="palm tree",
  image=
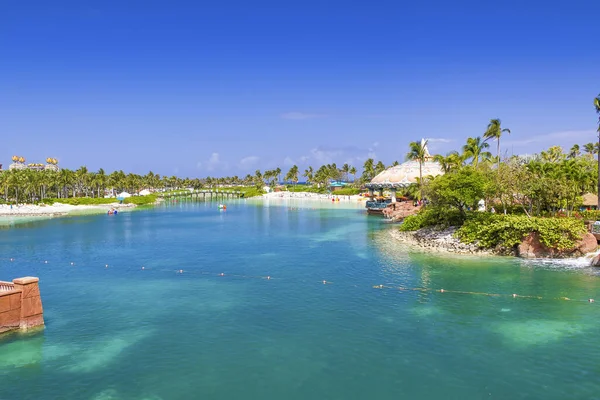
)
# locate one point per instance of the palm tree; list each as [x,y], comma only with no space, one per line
[345,170]
[353,172]
[590,148]
[451,161]
[379,168]
[417,152]
[597,107]
[575,151]
[475,149]
[308,174]
[368,170]
[292,175]
[495,131]
[277,173]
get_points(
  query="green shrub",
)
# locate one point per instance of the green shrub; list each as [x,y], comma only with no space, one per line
[432,216]
[251,191]
[140,200]
[347,191]
[94,201]
[413,222]
[593,215]
[307,188]
[491,230]
[80,201]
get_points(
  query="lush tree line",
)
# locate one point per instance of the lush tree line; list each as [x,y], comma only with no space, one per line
[27,185]
[549,182]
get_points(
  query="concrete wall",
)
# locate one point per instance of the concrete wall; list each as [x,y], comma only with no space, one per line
[20,304]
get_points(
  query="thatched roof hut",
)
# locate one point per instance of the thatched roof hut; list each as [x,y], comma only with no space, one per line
[406,173]
[590,200]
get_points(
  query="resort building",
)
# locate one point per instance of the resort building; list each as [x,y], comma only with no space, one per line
[398,177]
[19,163]
[337,185]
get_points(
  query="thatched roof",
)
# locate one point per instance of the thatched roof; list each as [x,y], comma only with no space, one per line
[590,199]
[404,174]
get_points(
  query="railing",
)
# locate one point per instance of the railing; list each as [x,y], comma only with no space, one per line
[373,204]
[6,286]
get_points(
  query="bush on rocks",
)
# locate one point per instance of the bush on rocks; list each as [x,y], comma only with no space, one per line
[493,230]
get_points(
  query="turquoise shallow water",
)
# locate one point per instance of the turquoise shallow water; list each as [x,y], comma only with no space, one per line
[126,333]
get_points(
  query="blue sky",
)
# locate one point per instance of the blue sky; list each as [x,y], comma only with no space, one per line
[197,88]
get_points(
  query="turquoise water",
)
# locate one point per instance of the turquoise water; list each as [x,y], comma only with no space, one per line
[123,332]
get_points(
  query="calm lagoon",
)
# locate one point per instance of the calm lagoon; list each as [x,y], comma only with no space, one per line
[117,331]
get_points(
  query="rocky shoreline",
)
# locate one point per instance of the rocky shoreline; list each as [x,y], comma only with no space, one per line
[443,241]
[440,241]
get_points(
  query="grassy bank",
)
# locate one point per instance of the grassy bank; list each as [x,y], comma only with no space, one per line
[89,201]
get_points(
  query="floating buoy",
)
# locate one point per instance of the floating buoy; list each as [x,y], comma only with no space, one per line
[441,290]
[222,274]
[514,295]
[324,282]
[268,277]
[46,262]
[72,263]
[180,271]
[106,266]
[12,259]
[591,300]
[143,268]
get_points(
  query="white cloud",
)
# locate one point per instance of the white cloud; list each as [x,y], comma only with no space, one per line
[213,163]
[375,144]
[439,140]
[289,162]
[249,161]
[339,155]
[300,115]
[550,139]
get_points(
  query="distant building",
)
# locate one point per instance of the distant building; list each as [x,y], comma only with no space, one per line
[19,163]
[337,185]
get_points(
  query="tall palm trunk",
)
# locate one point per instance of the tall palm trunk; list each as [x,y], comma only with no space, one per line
[420,179]
[498,154]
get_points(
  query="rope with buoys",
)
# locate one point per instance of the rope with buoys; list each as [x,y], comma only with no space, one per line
[222,274]
[513,295]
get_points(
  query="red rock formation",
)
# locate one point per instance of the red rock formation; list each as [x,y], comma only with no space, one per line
[531,247]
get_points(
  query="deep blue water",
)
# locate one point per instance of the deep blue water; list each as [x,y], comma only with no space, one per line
[123,332]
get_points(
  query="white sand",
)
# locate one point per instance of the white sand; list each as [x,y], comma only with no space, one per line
[312,196]
[308,200]
[29,210]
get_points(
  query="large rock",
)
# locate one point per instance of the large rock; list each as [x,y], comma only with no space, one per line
[587,244]
[531,247]
[400,210]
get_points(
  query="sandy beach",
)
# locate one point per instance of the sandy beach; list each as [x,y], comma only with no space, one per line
[57,209]
[312,196]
